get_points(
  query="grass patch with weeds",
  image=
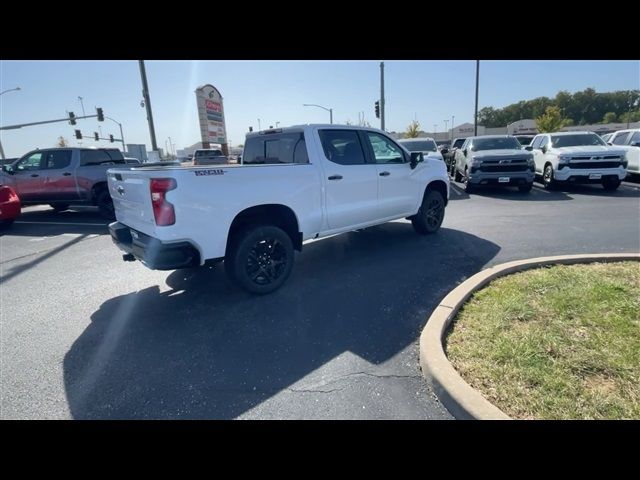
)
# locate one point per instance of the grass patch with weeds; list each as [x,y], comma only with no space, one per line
[560,342]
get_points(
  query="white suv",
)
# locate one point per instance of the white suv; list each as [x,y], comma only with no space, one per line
[577,157]
[628,140]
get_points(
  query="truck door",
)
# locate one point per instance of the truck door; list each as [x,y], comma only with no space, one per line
[29,177]
[60,183]
[351,184]
[398,190]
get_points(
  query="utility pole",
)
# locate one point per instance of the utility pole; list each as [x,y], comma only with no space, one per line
[475,121]
[445,127]
[435,125]
[382,96]
[147,102]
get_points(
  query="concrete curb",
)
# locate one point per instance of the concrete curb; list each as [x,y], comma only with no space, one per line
[462,400]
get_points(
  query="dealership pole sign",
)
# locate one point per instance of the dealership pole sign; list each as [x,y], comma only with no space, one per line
[211,117]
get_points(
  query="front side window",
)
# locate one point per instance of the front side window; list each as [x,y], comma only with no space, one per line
[420,145]
[342,146]
[32,162]
[576,140]
[459,142]
[635,138]
[621,139]
[57,159]
[536,142]
[544,142]
[384,150]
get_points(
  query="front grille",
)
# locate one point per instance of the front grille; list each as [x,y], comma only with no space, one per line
[615,164]
[519,167]
[604,157]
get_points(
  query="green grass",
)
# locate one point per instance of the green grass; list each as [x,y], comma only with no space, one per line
[554,343]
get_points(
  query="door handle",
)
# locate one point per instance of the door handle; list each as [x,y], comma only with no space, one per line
[66,174]
[35,175]
[335,177]
[384,174]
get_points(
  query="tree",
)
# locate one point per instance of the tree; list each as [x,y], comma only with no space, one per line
[62,142]
[412,130]
[609,117]
[551,120]
[630,117]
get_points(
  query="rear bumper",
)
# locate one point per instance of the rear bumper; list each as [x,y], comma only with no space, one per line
[152,252]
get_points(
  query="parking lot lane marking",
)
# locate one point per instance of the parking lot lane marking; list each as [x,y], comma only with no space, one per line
[64,223]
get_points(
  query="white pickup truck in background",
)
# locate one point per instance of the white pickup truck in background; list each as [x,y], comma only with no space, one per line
[294,184]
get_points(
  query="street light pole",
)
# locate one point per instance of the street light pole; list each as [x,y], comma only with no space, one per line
[452,119]
[259,128]
[475,121]
[82,105]
[330,110]
[2,149]
[445,126]
[121,134]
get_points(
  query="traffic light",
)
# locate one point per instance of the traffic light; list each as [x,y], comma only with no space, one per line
[72,118]
[100,114]
[78,134]
[95,135]
[111,138]
[377,109]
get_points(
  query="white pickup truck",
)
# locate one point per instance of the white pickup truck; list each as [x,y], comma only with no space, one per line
[294,184]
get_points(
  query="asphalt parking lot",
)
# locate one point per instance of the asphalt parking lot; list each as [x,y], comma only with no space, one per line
[86,335]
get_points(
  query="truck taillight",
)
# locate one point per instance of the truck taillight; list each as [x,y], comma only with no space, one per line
[162,210]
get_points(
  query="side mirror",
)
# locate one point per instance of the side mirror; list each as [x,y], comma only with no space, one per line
[416,157]
[529,148]
[7,168]
[464,152]
[544,149]
[609,143]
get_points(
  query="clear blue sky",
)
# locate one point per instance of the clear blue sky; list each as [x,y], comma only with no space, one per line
[274,91]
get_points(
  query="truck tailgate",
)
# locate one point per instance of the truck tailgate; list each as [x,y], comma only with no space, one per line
[132,199]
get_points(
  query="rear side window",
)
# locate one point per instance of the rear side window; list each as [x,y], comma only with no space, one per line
[275,149]
[57,159]
[342,146]
[94,157]
[635,138]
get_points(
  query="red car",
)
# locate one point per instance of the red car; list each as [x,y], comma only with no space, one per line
[9,206]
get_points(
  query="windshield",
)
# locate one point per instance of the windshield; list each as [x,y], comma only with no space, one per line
[208,153]
[524,140]
[496,143]
[420,146]
[576,140]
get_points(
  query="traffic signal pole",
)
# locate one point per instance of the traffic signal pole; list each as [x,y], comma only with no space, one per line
[66,119]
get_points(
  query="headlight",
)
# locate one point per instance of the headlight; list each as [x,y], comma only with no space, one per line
[530,160]
[475,161]
[564,159]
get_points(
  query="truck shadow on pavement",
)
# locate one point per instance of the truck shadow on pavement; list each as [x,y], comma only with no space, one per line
[35,223]
[536,194]
[206,349]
